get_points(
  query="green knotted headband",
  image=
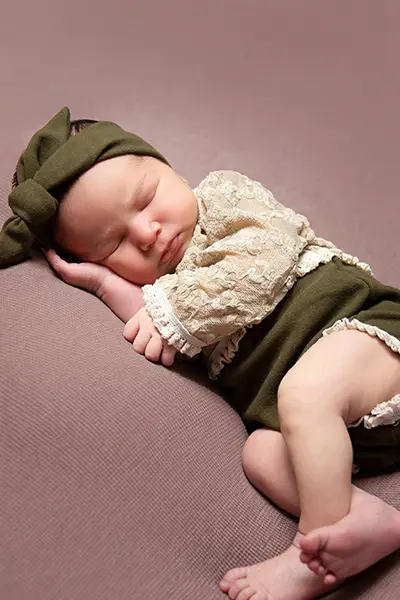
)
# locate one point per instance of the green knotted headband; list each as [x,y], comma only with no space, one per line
[53,160]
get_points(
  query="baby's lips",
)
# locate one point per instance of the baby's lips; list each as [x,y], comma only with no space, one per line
[172,248]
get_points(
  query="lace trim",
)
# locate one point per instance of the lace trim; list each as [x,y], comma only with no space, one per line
[224,353]
[168,325]
[385,413]
[315,255]
[390,341]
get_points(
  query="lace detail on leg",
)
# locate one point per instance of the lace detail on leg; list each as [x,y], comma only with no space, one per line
[385,413]
[390,341]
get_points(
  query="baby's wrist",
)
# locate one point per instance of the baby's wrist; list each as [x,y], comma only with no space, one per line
[104,285]
[123,297]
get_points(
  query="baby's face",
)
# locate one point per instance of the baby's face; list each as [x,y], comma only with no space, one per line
[134,215]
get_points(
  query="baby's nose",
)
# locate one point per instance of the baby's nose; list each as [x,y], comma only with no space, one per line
[149,236]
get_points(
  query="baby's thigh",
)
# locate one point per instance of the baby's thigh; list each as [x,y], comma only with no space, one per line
[348,371]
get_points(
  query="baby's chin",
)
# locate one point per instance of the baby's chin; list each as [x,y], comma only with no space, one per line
[142,279]
[169,268]
[150,278]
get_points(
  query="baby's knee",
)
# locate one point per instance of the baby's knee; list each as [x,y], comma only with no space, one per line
[300,398]
[252,451]
[263,457]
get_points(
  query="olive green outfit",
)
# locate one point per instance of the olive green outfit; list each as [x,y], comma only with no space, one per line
[266,353]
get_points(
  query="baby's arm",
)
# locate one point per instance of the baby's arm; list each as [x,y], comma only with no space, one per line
[121,296]
[124,298]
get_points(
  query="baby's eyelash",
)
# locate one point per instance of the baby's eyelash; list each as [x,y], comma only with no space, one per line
[118,244]
[146,197]
[144,202]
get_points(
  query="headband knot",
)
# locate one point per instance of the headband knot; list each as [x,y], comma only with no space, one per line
[32,203]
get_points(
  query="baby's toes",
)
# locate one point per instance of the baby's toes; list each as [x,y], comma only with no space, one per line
[305,557]
[317,567]
[314,542]
[330,578]
[322,571]
[238,588]
[231,576]
[247,594]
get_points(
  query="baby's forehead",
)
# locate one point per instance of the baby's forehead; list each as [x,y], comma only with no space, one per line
[114,175]
[105,189]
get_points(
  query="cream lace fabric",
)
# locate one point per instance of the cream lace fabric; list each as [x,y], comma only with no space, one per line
[246,253]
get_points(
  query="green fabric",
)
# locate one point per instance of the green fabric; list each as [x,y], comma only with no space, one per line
[268,350]
[52,160]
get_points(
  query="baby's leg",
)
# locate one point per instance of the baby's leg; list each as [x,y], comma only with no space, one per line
[337,381]
[367,534]
[266,463]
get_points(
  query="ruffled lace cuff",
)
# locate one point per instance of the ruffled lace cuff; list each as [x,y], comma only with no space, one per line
[169,326]
[224,353]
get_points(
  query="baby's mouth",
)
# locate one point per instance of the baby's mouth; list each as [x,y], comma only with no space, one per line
[170,251]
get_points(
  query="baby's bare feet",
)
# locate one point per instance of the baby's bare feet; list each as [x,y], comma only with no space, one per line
[368,533]
[281,578]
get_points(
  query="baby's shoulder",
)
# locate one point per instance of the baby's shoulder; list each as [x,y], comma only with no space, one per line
[224,176]
[233,188]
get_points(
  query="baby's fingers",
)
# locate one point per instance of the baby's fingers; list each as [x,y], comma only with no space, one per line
[69,272]
[141,340]
[59,265]
[168,354]
[87,276]
[154,348]
[131,329]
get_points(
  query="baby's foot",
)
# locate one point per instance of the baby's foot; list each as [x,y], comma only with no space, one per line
[281,578]
[369,532]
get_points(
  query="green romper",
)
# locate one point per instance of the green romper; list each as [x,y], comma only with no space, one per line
[331,293]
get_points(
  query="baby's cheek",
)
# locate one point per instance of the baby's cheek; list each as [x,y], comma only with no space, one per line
[144,273]
[131,266]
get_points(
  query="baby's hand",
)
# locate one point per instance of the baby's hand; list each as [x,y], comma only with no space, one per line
[87,276]
[141,330]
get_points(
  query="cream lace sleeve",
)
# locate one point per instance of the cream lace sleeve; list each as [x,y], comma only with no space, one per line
[245,266]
